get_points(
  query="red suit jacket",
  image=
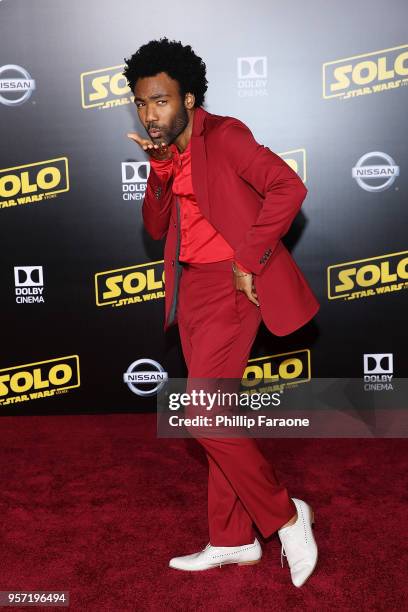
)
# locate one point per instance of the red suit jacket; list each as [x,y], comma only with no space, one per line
[251,196]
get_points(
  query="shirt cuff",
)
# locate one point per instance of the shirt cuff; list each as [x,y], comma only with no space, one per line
[242,267]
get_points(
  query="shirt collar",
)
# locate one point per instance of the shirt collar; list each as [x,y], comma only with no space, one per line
[176,152]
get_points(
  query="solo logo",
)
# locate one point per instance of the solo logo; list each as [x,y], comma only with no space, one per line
[296,160]
[275,372]
[33,182]
[366,74]
[29,284]
[252,75]
[17,87]
[39,379]
[134,179]
[368,277]
[105,88]
[131,285]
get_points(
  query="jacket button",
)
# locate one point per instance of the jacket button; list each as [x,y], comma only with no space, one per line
[172,262]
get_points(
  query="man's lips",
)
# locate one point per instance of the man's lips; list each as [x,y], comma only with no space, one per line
[155,133]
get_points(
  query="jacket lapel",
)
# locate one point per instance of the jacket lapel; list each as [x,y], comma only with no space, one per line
[199,162]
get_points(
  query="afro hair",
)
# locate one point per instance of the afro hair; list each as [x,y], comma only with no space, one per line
[170,56]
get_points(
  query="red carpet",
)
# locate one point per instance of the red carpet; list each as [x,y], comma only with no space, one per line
[96,505]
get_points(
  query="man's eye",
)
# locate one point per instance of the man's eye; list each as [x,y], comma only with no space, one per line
[139,104]
[164,101]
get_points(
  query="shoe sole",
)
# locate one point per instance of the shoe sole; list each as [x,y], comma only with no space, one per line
[217,565]
[249,562]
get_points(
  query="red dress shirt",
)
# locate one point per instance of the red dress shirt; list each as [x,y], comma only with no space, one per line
[200,241]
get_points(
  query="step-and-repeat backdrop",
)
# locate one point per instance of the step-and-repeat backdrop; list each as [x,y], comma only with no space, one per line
[324,85]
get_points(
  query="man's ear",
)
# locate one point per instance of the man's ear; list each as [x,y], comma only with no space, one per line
[189,100]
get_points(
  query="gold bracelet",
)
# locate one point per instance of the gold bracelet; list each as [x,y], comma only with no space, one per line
[236,273]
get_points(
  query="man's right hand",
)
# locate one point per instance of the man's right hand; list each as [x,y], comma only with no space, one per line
[159,151]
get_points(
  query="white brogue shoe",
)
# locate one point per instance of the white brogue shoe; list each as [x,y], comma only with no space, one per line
[215,556]
[299,545]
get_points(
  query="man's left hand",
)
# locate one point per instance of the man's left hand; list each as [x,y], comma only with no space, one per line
[245,284]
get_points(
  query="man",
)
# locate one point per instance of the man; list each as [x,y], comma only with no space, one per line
[223,201]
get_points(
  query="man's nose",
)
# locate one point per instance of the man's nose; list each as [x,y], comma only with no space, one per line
[151,113]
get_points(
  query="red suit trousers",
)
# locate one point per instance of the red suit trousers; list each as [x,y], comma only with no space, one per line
[218,325]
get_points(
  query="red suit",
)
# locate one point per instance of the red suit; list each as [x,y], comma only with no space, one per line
[250,196]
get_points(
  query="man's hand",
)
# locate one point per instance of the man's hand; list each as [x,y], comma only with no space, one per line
[160,151]
[245,284]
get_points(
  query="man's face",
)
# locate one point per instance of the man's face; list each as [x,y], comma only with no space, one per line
[160,107]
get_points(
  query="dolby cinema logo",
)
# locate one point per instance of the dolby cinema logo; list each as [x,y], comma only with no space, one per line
[29,284]
[375,171]
[378,371]
[252,74]
[16,85]
[145,377]
[134,179]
